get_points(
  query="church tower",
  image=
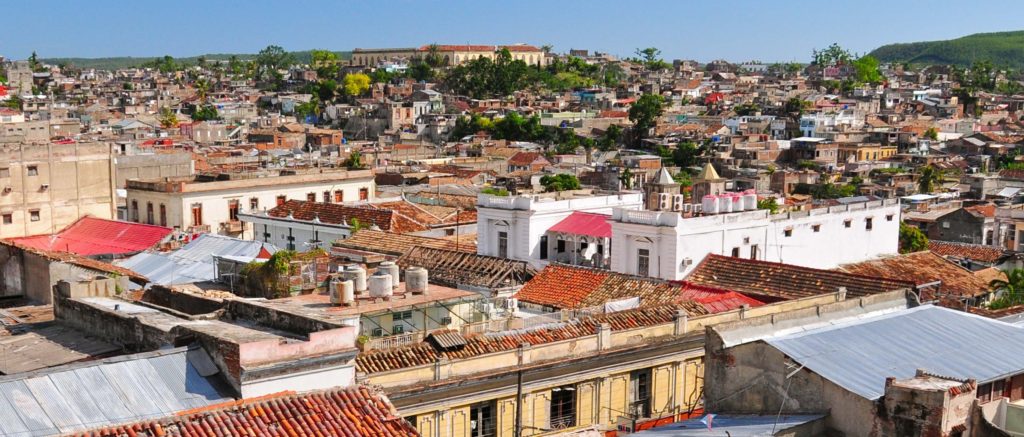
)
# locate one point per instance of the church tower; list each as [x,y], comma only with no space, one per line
[662,184]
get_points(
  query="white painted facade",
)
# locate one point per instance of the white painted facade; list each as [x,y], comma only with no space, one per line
[524,220]
[820,238]
[294,234]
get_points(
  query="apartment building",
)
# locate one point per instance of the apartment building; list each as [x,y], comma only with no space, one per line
[450,54]
[46,187]
[212,203]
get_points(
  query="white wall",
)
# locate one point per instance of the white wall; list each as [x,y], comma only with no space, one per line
[301,231]
[319,379]
[678,245]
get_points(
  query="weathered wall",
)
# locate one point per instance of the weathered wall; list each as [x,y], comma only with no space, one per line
[268,317]
[184,302]
[120,329]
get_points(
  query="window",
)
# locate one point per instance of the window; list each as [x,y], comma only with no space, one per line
[788,232]
[816,228]
[163,215]
[640,393]
[33,215]
[311,197]
[643,262]
[401,315]
[735,252]
[503,244]
[33,170]
[339,196]
[364,194]
[563,407]
[411,420]
[544,247]
[197,214]
[868,223]
[5,172]
[281,200]
[233,210]
[560,246]
[254,204]
[398,329]
[888,217]
[753,252]
[997,389]
[985,392]
[327,197]
[149,213]
[483,420]
[847,223]
[135,211]
[8,218]
[945,225]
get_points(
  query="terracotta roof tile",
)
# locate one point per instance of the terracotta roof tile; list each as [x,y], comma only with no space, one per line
[770,281]
[524,159]
[334,213]
[350,412]
[399,244]
[923,268]
[974,252]
[78,260]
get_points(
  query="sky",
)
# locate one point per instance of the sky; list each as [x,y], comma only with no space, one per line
[735,30]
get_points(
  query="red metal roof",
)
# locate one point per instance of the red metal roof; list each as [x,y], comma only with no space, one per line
[584,223]
[95,236]
[716,300]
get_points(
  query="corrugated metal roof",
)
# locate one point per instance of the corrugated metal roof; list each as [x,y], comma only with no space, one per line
[860,354]
[194,261]
[102,393]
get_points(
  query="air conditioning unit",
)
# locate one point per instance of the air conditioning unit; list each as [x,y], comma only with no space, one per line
[677,202]
[664,201]
[377,332]
[398,329]
[687,262]
[446,321]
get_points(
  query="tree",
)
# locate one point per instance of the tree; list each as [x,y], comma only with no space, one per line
[831,56]
[325,62]
[270,60]
[748,108]
[626,178]
[205,112]
[356,84]
[354,160]
[912,239]
[796,105]
[421,72]
[683,179]
[932,134]
[928,177]
[651,58]
[13,102]
[867,70]
[34,64]
[610,139]
[1011,289]
[768,203]
[560,182]
[433,57]
[168,118]
[645,112]
[202,88]
[685,154]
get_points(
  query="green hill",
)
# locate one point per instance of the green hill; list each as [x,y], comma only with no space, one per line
[1004,49]
[113,63]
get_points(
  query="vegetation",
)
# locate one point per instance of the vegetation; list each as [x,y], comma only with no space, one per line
[912,239]
[610,139]
[560,182]
[831,56]
[929,177]
[483,78]
[1011,290]
[512,127]
[932,134]
[236,61]
[1004,47]
[644,113]
[651,58]
[685,154]
[205,112]
[826,191]
[354,161]
[168,118]
[355,84]
[13,102]
[494,191]
[683,179]
[768,203]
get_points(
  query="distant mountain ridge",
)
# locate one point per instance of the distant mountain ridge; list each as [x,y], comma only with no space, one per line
[113,63]
[1001,48]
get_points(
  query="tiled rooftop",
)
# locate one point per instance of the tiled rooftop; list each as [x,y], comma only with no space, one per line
[974,252]
[351,412]
[772,281]
[923,268]
[398,244]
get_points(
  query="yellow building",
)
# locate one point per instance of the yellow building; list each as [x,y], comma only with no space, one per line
[865,152]
[451,55]
[641,367]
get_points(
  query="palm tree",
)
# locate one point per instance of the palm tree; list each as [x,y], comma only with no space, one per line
[929,177]
[202,87]
[1012,289]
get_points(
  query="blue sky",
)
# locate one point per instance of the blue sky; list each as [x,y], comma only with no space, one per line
[736,30]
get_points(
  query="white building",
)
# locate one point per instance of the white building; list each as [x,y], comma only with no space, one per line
[667,245]
[204,204]
[816,124]
[515,227]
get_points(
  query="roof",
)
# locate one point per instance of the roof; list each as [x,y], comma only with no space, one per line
[716,300]
[352,411]
[565,287]
[973,252]
[731,425]
[194,261]
[708,173]
[91,236]
[584,223]
[453,268]
[49,344]
[923,268]
[332,213]
[523,159]
[111,391]
[664,178]
[859,355]
[398,244]
[78,260]
[776,281]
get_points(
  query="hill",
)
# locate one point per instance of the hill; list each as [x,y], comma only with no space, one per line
[113,63]
[1004,49]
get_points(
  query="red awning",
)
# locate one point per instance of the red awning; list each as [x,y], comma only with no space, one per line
[584,223]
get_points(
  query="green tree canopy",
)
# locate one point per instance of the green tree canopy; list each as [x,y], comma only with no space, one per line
[685,154]
[356,84]
[912,239]
[867,70]
[270,60]
[560,182]
[325,62]
[645,112]
[1010,290]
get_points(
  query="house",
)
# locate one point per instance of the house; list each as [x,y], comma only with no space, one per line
[32,273]
[99,238]
[196,260]
[527,161]
[935,277]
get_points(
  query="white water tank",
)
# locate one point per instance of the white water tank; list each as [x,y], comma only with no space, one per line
[709,204]
[357,275]
[334,292]
[724,203]
[749,201]
[380,284]
[737,202]
[348,293]
[392,269]
[416,280]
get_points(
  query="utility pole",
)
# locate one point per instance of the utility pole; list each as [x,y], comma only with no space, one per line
[519,403]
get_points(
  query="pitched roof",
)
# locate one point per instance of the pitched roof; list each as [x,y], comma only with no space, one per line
[708,173]
[454,268]
[399,244]
[776,281]
[78,260]
[974,252]
[566,287]
[353,411]
[333,213]
[95,236]
[716,300]
[584,223]
[523,159]
[923,268]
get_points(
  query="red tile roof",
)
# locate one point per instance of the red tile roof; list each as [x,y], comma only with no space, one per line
[716,300]
[524,159]
[386,217]
[349,412]
[569,287]
[974,252]
[770,281]
[95,236]
[923,268]
[78,260]
[584,223]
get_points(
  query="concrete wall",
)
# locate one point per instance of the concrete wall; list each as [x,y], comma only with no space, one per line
[34,276]
[294,323]
[184,302]
[117,328]
[153,166]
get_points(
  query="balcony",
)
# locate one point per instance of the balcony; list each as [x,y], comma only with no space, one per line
[232,227]
[199,229]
